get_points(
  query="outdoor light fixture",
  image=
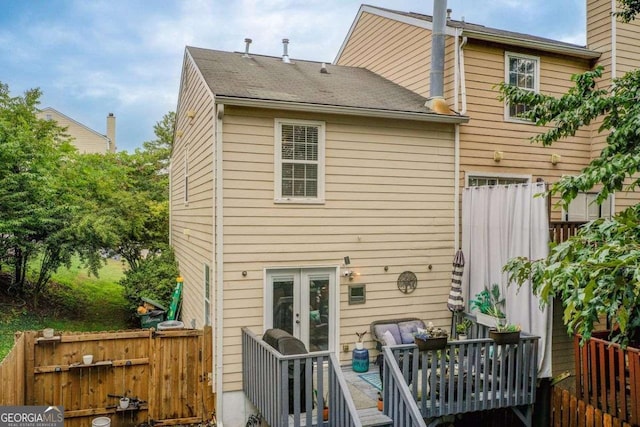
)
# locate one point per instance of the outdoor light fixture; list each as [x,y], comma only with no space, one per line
[555,159]
[497,156]
[348,273]
[347,260]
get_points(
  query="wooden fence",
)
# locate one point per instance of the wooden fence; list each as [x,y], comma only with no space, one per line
[168,372]
[608,377]
[12,380]
[569,411]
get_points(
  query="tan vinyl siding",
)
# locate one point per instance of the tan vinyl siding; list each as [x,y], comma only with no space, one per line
[397,51]
[192,233]
[599,38]
[627,59]
[488,131]
[84,139]
[389,202]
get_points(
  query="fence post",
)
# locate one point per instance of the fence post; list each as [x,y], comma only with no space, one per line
[208,397]
[29,365]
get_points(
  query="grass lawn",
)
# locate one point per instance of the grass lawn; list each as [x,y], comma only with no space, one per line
[77,302]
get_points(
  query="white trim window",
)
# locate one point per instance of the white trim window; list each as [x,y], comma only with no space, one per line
[299,161]
[483,179]
[522,71]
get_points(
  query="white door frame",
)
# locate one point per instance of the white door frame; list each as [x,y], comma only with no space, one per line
[304,273]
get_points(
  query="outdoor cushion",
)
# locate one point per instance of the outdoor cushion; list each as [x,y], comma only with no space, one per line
[389,339]
[408,329]
[391,327]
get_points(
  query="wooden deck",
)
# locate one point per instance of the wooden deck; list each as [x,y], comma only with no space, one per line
[420,387]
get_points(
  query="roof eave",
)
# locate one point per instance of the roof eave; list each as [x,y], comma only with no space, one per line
[577,52]
[337,109]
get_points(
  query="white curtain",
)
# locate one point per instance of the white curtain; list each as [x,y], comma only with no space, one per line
[499,223]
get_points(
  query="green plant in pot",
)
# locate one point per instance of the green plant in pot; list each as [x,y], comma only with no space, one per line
[462,329]
[505,333]
[489,305]
[431,338]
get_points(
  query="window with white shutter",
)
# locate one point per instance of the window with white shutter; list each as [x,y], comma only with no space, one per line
[299,161]
[584,208]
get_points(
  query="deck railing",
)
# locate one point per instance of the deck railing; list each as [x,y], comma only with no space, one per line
[464,376]
[608,378]
[290,390]
[399,403]
[560,231]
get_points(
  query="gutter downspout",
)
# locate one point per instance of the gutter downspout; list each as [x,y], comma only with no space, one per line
[456,187]
[614,70]
[459,78]
[463,82]
[219,254]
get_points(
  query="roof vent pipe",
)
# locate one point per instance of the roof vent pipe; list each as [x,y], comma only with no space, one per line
[437,48]
[246,48]
[285,53]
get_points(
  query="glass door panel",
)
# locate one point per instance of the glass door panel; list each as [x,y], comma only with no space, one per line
[318,313]
[299,302]
[283,304]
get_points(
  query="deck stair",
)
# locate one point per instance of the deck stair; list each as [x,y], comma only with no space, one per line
[371,417]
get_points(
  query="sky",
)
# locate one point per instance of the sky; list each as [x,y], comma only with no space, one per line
[94,57]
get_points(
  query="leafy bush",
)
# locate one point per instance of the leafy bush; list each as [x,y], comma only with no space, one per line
[154,278]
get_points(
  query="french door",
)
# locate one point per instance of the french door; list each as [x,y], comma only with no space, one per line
[299,301]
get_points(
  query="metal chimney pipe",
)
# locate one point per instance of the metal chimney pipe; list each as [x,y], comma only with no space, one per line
[436,76]
[246,48]
[285,47]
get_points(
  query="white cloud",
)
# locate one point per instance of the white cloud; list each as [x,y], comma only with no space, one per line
[92,57]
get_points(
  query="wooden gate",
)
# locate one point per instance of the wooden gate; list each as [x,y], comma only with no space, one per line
[168,372]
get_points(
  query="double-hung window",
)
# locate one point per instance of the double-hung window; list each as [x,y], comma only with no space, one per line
[522,71]
[299,161]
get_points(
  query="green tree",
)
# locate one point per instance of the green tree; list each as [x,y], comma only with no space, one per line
[596,273]
[124,199]
[32,220]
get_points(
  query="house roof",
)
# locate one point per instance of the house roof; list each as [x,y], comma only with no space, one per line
[258,79]
[53,110]
[481,32]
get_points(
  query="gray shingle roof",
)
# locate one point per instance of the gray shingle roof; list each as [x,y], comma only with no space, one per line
[269,78]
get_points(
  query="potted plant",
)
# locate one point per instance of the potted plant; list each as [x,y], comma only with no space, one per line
[325,405]
[505,333]
[489,305]
[462,328]
[359,343]
[431,338]
[360,355]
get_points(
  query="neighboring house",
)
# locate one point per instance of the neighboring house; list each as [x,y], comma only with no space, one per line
[85,139]
[280,170]
[494,144]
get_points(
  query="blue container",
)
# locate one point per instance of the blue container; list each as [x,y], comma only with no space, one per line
[360,360]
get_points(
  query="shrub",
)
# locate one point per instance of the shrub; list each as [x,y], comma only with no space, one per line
[154,278]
